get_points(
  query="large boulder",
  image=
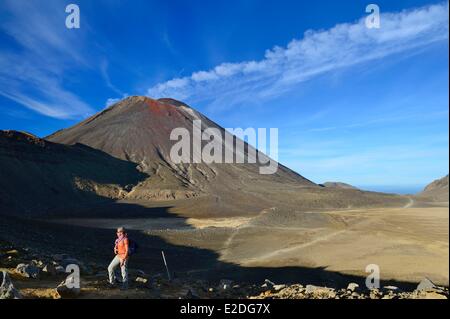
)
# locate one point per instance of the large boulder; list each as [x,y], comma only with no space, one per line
[320,292]
[426,285]
[268,284]
[352,287]
[279,287]
[426,289]
[7,289]
[38,263]
[66,288]
[28,270]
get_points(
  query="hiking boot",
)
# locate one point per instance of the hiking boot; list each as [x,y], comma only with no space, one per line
[111,285]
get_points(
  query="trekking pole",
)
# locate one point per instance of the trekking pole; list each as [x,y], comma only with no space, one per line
[165,264]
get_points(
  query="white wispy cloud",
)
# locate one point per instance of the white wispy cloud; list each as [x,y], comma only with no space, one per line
[318,52]
[104,65]
[33,74]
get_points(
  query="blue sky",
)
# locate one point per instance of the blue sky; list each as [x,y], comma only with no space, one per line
[352,104]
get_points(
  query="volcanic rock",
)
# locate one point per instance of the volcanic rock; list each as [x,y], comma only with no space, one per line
[28,270]
[7,289]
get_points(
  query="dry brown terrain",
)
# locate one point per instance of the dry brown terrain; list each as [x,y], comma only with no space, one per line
[408,243]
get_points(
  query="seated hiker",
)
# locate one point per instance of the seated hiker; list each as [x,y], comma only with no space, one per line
[121,251]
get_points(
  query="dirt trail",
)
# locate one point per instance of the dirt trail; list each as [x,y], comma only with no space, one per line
[296,248]
[229,241]
[410,203]
[407,243]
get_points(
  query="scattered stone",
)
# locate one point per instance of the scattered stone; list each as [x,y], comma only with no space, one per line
[311,289]
[375,294]
[185,288]
[12,252]
[225,284]
[38,263]
[66,290]
[142,280]
[320,292]
[427,285]
[268,284]
[430,295]
[28,270]
[7,289]
[279,287]
[49,269]
[352,287]
[391,288]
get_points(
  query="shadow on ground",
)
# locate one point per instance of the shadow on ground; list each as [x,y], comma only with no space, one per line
[90,244]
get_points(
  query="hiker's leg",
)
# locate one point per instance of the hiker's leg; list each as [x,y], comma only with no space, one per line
[124,270]
[111,269]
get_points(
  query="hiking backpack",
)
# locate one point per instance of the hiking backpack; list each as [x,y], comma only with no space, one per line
[132,247]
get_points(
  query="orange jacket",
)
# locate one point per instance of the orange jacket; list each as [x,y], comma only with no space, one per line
[121,248]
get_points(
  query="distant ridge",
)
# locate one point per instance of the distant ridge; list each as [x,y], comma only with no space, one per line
[338,185]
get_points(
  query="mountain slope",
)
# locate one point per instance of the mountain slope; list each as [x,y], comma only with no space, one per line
[339,185]
[37,176]
[122,153]
[437,190]
[138,129]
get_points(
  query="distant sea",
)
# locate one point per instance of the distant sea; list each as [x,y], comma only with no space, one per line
[393,189]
